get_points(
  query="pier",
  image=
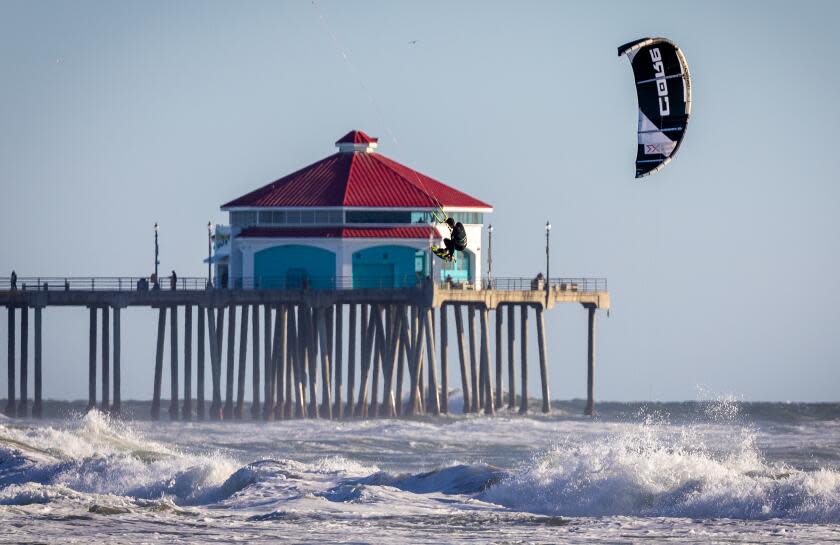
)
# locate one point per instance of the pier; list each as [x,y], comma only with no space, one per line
[397,344]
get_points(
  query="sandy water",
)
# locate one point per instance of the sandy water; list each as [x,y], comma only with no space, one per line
[680,473]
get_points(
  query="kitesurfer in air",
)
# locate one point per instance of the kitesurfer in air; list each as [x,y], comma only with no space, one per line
[457,241]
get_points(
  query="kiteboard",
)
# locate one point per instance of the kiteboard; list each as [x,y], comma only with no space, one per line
[443,254]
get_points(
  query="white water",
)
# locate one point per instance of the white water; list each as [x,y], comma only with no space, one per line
[710,477]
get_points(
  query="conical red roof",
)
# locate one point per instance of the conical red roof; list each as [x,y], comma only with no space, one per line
[357,178]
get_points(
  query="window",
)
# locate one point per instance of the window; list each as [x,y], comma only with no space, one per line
[467,217]
[243,219]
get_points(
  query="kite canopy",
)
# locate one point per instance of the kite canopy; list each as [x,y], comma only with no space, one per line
[663,86]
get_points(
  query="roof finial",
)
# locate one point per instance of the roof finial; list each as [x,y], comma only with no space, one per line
[357,141]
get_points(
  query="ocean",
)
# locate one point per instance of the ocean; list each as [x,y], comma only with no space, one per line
[696,472]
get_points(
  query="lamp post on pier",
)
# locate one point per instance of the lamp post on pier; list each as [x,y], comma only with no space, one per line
[489,256]
[209,254]
[157,253]
[547,260]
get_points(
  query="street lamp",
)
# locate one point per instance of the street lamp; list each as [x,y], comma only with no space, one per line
[547,255]
[489,254]
[209,245]
[157,253]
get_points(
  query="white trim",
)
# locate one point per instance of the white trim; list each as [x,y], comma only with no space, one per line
[484,210]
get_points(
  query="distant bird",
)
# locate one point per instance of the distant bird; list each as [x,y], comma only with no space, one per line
[412,42]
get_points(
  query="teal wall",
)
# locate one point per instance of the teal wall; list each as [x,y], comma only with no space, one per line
[286,267]
[388,266]
[459,271]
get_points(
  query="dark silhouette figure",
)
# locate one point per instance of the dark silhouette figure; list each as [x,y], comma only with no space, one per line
[13,280]
[173,281]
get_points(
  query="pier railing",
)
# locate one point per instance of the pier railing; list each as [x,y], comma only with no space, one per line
[291,282]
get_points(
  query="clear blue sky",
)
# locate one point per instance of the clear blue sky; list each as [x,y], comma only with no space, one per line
[723,268]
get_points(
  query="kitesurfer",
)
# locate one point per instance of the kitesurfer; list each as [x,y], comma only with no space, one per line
[457,240]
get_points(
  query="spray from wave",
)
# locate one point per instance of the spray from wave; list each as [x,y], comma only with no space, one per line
[655,469]
[97,455]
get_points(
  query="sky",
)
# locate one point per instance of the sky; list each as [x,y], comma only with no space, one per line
[723,268]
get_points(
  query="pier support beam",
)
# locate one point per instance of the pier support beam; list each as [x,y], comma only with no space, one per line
[351,359]
[11,407]
[199,367]
[326,394]
[255,362]
[511,327]
[433,403]
[243,358]
[106,359]
[23,404]
[268,366]
[499,399]
[227,414]
[444,361]
[546,399]
[523,328]
[92,360]
[477,389]
[281,363]
[161,332]
[215,322]
[338,410]
[116,407]
[487,399]
[590,363]
[186,410]
[465,374]
[173,364]
[37,408]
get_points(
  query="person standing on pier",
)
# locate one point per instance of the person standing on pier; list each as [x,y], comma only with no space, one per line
[13,280]
[173,280]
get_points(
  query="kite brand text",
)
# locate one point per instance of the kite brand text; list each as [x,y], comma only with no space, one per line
[661,82]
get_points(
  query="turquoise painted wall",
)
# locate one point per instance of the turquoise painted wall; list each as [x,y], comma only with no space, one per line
[288,266]
[459,271]
[388,266]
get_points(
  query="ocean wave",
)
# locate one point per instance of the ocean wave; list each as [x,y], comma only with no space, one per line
[652,471]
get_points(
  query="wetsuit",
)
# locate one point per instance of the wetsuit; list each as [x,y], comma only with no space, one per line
[458,240]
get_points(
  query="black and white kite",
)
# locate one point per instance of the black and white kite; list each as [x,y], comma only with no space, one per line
[663,86]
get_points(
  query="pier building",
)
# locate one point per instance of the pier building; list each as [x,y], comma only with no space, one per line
[356,217]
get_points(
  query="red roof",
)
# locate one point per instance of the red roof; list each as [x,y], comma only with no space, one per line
[413,232]
[356,137]
[357,178]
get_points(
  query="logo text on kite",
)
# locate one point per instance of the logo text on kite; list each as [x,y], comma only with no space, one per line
[661,82]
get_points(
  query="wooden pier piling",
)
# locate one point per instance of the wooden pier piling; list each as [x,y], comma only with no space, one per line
[116,405]
[255,362]
[444,361]
[487,399]
[23,404]
[523,326]
[227,411]
[11,407]
[499,315]
[590,362]
[174,410]
[465,374]
[161,331]
[511,351]
[37,407]
[477,390]
[92,361]
[186,409]
[338,409]
[106,359]
[546,399]
[199,366]
[243,355]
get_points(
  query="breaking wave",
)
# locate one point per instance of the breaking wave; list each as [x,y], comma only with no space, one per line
[661,471]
